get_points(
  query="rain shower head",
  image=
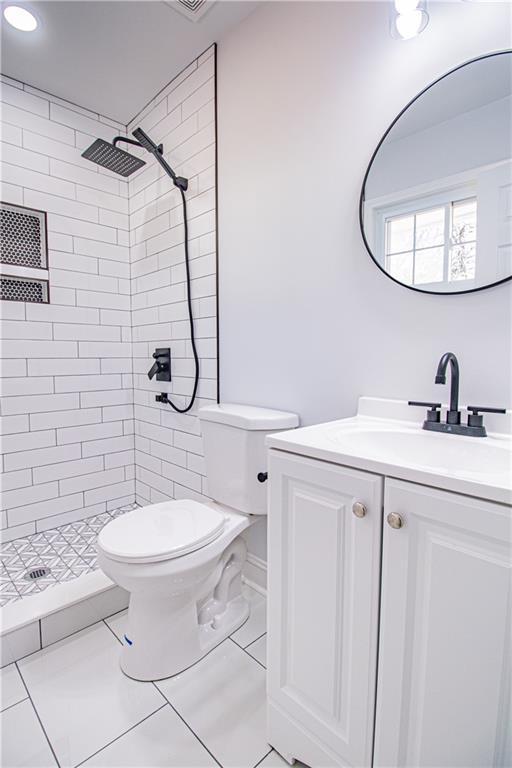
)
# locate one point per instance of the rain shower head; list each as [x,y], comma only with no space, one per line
[109,156]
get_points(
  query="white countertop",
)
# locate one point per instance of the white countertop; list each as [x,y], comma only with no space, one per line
[386,437]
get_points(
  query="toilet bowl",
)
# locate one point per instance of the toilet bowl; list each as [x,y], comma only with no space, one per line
[184,582]
[182,561]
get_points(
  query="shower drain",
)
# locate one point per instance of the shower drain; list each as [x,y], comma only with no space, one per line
[37,573]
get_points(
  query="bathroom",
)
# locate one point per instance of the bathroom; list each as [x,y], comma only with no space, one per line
[288,442]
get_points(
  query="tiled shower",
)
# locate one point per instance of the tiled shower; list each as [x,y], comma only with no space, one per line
[82,436]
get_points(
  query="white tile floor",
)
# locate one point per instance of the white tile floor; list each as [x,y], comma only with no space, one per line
[71,705]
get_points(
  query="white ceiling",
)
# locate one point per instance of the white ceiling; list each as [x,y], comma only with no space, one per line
[111,57]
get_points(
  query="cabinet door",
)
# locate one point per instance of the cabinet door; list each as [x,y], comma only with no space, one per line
[324,565]
[443,694]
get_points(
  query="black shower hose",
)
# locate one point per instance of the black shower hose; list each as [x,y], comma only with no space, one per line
[190,317]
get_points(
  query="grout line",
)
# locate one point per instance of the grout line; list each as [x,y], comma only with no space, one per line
[37,714]
[254,641]
[25,698]
[26,655]
[264,757]
[188,726]
[71,634]
[109,627]
[248,654]
[122,734]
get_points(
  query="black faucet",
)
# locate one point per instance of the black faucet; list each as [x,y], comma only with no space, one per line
[453,415]
[475,426]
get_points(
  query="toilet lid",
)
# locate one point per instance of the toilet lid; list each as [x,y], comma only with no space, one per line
[161,531]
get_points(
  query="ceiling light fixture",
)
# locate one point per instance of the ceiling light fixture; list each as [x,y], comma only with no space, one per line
[409,18]
[20,18]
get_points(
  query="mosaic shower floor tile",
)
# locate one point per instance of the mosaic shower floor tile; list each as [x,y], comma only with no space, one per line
[66,552]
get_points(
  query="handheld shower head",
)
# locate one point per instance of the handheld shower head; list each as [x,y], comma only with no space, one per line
[158,153]
[145,141]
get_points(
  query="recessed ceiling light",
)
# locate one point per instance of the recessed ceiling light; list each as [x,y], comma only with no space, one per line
[20,18]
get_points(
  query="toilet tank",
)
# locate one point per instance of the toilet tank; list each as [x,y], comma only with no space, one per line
[234,452]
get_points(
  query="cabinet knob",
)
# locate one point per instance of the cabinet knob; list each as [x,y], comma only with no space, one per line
[359,509]
[394,520]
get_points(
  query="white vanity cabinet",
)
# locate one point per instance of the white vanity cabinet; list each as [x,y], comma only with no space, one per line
[324,569]
[440,661]
[444,678]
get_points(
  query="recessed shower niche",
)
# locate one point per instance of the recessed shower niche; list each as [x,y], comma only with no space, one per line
[23,250]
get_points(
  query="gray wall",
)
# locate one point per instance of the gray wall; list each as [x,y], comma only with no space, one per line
[307,322]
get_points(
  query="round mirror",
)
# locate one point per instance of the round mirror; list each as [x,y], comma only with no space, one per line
[436,203]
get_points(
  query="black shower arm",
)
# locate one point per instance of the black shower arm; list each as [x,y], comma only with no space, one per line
[117,139]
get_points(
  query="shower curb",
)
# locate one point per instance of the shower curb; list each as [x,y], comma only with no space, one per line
[40,620]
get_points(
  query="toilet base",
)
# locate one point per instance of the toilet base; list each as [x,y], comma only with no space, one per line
[181,608]
[169,632]
[146,658]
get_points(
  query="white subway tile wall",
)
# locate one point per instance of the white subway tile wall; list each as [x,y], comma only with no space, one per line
[168,445]
[71,371]
[63,459]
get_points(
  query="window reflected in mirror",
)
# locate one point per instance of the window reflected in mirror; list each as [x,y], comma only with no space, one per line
[433,245]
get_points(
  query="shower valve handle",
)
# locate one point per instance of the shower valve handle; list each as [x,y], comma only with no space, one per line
[155,368]
[161,368]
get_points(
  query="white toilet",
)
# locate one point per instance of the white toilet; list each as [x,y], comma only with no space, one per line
[181,561]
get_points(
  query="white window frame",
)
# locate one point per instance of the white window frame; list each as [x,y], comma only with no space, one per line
[424,202]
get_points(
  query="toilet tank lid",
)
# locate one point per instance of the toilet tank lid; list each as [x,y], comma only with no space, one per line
[248,416]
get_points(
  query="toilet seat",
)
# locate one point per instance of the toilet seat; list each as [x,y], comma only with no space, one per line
[161,531]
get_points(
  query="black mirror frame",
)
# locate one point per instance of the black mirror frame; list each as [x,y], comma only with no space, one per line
[362,197]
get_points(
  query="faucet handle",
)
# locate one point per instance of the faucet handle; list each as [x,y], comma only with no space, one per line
[475,419]
[475,408]
[433,413]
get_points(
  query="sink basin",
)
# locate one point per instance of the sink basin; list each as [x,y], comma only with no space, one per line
[386,437]
[415,447]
